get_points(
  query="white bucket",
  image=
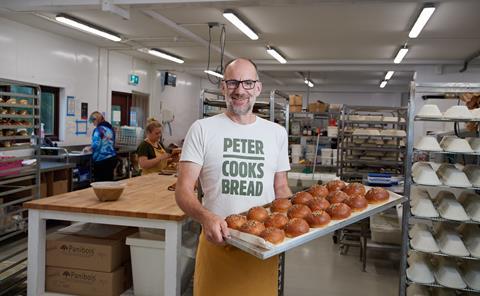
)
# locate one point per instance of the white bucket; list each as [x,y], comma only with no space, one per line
[311,149]
[327,152]
[295,158]
[332,131]
[296,149]
[148,256]
[326,160]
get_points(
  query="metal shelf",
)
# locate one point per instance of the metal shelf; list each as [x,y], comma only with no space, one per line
[16,126]
[17,148]
[28,116]
[375,122]
[17,95]
[445,186]
[445,255]
[440,219]
[419,118]
[446,152]
[435,285]
[6,138]
[375,136]
[373,162]
[381,149]
[23,106]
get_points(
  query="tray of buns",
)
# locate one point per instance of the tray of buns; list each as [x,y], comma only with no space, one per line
[286,223]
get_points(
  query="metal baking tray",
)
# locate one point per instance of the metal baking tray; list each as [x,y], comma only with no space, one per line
[257,247]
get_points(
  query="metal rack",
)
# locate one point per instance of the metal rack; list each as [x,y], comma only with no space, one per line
[212,103]
[352,147]
[416,90]
[19,141]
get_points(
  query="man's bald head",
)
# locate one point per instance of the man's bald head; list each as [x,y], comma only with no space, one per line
[241,60]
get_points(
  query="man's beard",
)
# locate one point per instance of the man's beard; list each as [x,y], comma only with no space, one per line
[240,110]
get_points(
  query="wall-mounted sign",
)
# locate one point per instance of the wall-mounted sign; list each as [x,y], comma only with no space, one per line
[84,111]
[133,79]
[70,106]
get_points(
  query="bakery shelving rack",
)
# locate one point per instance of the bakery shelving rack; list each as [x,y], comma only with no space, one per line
[274,108]
[19,182]
[417,92]
[360,154]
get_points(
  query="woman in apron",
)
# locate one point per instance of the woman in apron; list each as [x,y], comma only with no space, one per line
[152,157]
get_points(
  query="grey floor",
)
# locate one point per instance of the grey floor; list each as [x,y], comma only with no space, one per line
[318,268]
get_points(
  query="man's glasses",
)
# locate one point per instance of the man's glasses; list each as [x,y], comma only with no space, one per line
[246,84]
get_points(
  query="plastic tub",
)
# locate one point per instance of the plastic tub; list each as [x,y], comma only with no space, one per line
[296,149]
[454,144]
[458,111]
[428,143]
[430,110]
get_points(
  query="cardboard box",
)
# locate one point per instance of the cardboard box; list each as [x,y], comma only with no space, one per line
[294,109]
[318,106]
[89,246]
[85,282]
[295,100]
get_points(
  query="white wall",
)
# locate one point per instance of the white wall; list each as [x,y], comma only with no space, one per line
[183,100]
[82,70]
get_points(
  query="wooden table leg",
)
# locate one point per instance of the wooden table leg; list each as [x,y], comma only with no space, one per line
[36,254]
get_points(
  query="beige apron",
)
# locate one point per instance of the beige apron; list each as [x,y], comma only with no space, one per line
[161,165]
[226,270]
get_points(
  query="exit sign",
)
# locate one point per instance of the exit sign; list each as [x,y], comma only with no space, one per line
[133,79]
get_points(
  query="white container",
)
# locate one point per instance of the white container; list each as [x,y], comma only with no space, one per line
[310,156]
[451,176]
[428,143]
[471,275]
[449,208]
[295,158]
[327,152]
[416,228]
[447,275]
[311,149]
[430,110]
[472,242]
[326,160]
[455,144]
[423,241]
[148,257]
[473,174]
[332,131]
[475,144]
[296,149]
[419,270]
[417,290]
[424,174]
[450,243]
[423,207]
[475,113]
[471,204]
[458,112]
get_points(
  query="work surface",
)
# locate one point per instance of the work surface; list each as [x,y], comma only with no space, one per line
[143,197]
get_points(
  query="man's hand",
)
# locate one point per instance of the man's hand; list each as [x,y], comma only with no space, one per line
[215,229]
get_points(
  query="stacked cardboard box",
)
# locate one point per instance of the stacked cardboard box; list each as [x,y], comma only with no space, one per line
[88,259]
[296,103]
[318,106]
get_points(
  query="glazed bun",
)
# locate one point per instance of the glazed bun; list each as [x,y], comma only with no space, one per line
[357,202]
[301,197]
[355,188]
[318,219]
[276,220]
[257,213]
[235,221]
[273,235]
[337,197]
[252,227]
[318,191]
[339,211]
[335,185]
[298,211]
[280,205]
[296,227]
[377,195]
[318,204]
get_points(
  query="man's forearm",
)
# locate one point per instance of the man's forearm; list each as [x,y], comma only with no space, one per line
[189,203]
[283,191]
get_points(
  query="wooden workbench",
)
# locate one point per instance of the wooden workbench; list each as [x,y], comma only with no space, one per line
[145,202]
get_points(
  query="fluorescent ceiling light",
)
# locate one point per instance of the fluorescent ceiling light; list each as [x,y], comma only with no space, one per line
[234,19]
[383,84]
[400,55]
[389,75]
[87,27]
[210,72]
[309,82]
[274,53]
[164,55]
[421,21]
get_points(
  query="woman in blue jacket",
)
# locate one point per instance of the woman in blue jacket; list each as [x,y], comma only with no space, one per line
[103,148]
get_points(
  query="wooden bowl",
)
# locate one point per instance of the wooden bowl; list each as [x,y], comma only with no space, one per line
[108,191]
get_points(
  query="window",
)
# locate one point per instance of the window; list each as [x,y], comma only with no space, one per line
[49,109]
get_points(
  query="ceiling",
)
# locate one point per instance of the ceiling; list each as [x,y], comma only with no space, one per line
[342,44]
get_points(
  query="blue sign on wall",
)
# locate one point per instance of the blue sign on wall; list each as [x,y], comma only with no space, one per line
[133,79]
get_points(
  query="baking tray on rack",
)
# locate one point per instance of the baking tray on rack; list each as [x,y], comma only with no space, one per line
[257,247]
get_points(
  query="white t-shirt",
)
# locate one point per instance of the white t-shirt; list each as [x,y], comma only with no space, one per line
[238,161]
